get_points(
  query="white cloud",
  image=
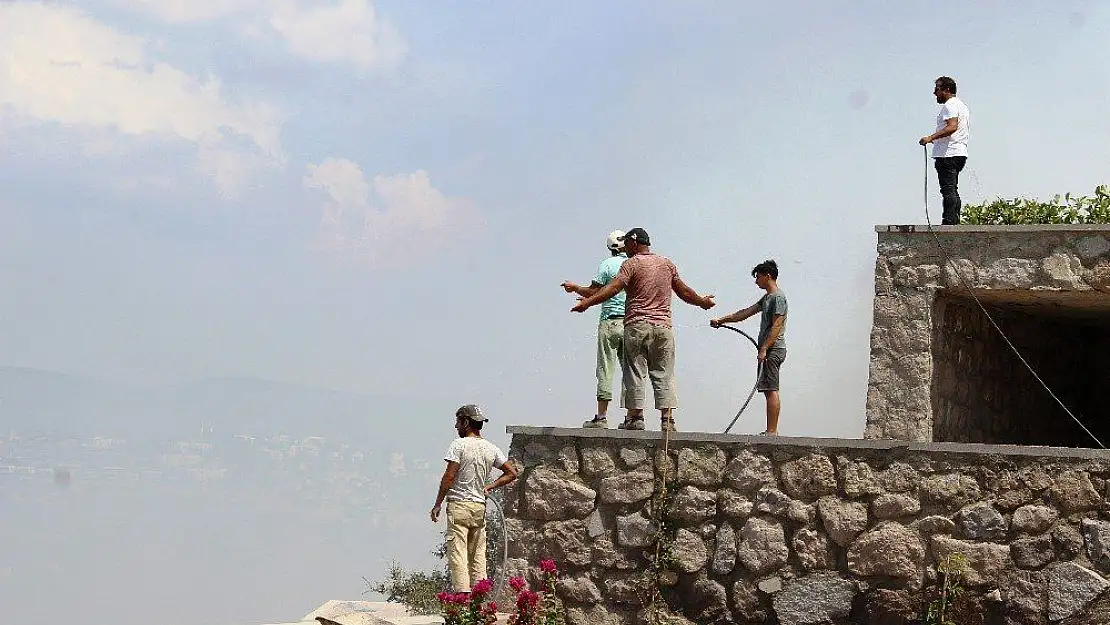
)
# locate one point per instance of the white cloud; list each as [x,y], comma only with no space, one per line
[406,212]
[328,31]
[61,67]
[349,30]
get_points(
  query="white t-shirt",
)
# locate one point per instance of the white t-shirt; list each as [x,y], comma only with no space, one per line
[476,457]
[954,144]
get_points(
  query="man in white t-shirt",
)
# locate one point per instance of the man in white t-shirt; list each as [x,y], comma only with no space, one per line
[949,146]
[464,485]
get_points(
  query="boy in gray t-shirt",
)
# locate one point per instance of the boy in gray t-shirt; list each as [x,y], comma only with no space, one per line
[772,336]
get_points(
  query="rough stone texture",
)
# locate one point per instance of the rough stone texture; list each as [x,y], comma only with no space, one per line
[747,604]
[707,602]
[934,525]
[888,550]
[981,522]
[1067,539]
[809,478]
[1070,588]
[635,530]
[690,552]
[734,505]
[843,520]
[857,479]
[724,554]
[549,497]
[701,467]
[1025,595]
[1033,519]
[1096,535]
[952,490]
[595,615]
[987,562]
[1032,553]
[748,471]
[597,462]
[813,550]
[893,506]
[633,457]
[692,505]
[760,544]
[816,598]
[1074,492]
[580,589]
[627,488]
[762,547]
[938,369]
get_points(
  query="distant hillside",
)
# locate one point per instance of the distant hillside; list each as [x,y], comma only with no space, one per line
[35,400]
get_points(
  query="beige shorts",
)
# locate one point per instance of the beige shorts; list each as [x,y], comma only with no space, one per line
[648,355]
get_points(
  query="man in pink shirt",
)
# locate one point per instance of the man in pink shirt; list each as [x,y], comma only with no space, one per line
[649,347]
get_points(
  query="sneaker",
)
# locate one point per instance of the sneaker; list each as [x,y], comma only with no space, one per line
[634,424]
[667,425]
[597,422]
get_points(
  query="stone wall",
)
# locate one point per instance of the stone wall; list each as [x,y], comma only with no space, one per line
[940,372]
[794,531]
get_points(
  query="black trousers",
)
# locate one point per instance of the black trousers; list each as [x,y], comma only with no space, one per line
[948,173]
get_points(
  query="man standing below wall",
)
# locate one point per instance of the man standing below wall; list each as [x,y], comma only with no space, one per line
[649,346]
[772,337]
[610,329]
[949,146]
[469,461]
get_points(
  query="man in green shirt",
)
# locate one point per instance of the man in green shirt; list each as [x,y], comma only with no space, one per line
[610,329]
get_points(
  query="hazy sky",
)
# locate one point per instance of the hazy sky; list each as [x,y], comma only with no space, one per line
[383,196]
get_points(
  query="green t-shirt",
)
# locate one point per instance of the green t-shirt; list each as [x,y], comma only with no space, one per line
[770,305]
[614,306]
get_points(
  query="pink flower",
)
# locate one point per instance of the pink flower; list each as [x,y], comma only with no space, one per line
[517,583]
[491,608]
[548,566]
[482,587]
[527,600]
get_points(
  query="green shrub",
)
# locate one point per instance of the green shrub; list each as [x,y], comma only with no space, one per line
[1066,209]
[416,590]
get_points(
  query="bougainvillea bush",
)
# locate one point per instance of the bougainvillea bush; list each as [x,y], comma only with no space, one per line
[530,608]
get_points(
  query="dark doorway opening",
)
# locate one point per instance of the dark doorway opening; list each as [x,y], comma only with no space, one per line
[983,394]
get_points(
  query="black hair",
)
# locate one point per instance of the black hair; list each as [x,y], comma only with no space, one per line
[476,425]
[767,267]
[948,84]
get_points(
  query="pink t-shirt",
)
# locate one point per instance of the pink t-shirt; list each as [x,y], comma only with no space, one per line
[648,280]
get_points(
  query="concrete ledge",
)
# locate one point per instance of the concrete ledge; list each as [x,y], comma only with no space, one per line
[924,228]
[820,443]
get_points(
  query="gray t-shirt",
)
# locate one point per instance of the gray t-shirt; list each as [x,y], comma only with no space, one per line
[772,304]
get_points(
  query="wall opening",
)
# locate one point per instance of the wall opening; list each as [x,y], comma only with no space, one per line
[981,392]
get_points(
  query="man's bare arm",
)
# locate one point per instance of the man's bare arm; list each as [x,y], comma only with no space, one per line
[951,125]
[577,289]
[690,296]
[776,329]
[508,476]
[736,317]
[609,290]
[445,484]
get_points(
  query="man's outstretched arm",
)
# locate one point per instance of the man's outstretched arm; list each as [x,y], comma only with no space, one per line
[582,291]
[690,296]
[735,317]
[602,294]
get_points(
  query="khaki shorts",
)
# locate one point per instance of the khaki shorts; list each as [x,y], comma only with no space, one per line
[610,335]
[648,354]
[769,371]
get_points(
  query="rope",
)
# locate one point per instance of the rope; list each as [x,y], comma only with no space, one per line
[986,313]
